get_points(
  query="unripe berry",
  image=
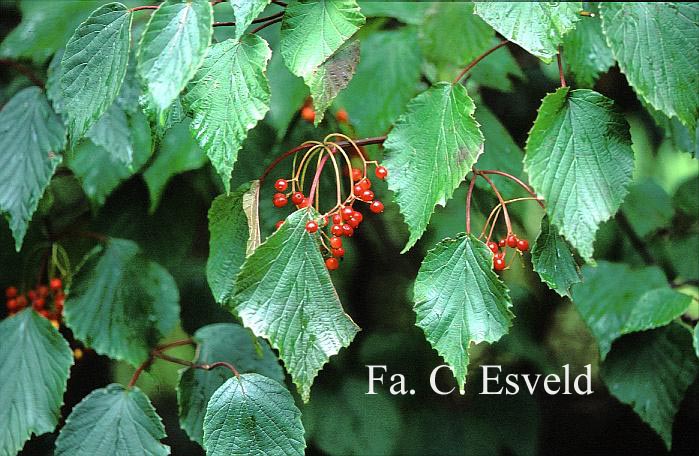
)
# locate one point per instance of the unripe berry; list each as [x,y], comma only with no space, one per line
[381,172]
[376,207]
[280,185]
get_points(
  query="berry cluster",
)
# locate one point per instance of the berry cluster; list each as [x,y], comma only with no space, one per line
[511,241]
[40,297]
[342,220]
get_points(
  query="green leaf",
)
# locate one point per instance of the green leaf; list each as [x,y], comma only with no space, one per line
[284,294]
[31,135]
[538,27]
[651,371]
[350,422]
[451,36]
[656,47]
[387,78]
[696,340]
[173,47]
[230,233]
[614,300]
[177,153]
[678,135]
[500,152]
[333,75]
[35,363]
[288,95]
[647,207]
[233,74]
[113,420]
[114,283]
[45,28]
[553,260]
[100,172]
[460,300]
[496,71]
[407,12]
[113,134]
[586,52]
[579,159]
[253,415]
[431,148]
[225,342]
[93,67]
[245,12]
[313,30]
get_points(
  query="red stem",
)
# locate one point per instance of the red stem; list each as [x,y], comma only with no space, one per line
[527,188]
[146,7]
[360,142]
[139,371]
[559,57]
[316,178]
[475,61]
[502,202]
[468,202]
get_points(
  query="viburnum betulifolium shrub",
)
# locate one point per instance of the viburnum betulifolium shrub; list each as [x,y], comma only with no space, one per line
[206,200]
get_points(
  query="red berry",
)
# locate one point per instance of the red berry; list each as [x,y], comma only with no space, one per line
[332,263]
[357,174]
[278,224]
[357,216]
[38,303]
[58,303]
[311,227]
[305,203]
[493,246]
[12,304]
[280,185]
[365,183]
[335,242]
[367,195]
[381,172]
[353,223]
[347,213]
[336,230]
[337,219]
[31,294]
[502,243]
[511,241]
[297,198]
[279,200]
[11,292]
[341,116]
[44,313]
[43,291]
[499,264]
[56,283]
[21,301]
[308,114]
[347,230]
[376,207]
[358,189]
[522,245]
[339,252]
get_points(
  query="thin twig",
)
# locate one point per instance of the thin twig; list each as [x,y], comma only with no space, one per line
[502,201]
[635,240]
[475,61]
[256,21]
[25,71]
[468,202]
[145,365]
[518,181]
[146,7]
[559,57]
[266,24]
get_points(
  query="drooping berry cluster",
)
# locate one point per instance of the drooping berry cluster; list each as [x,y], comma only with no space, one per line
[342,220]
[46,299]
[499,249]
